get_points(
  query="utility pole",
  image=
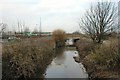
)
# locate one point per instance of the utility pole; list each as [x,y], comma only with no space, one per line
[40,27]
[13,28]
[18,24]
[21,26]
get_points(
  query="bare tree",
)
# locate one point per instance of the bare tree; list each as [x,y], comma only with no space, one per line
[21,26]
[99,20]
[2,27]
[18,24]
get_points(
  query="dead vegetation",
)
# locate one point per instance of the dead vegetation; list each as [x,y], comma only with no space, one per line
[28,58]
[59,37]
[100,60]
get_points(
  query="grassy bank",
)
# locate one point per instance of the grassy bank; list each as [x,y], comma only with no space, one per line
[100,60]
[26,58]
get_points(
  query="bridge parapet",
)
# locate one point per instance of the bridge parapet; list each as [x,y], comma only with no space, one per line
[71,41]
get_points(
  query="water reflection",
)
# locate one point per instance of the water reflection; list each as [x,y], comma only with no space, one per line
[60,56]
[64,66]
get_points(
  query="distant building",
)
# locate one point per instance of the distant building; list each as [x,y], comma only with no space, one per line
[46,33]
[36,34]
[29,34]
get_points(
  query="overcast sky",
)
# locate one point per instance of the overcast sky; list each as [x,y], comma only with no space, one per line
[54,14]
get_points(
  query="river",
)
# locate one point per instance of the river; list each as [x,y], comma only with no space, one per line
[64,66]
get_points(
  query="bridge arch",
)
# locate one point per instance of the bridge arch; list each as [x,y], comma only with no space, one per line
[71,41]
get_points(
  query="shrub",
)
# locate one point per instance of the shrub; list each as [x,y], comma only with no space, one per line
[59,37]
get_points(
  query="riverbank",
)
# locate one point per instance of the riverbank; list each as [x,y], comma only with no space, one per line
[26,58]
[97,65]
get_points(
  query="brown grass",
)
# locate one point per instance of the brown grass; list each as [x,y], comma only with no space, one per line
[84,47]
[100,60]
[27,58]
[107,54]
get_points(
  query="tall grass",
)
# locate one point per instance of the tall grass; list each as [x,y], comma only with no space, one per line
[84,47]
[107,54]
[26,59]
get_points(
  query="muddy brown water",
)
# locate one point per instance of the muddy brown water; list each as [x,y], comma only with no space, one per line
[64,66]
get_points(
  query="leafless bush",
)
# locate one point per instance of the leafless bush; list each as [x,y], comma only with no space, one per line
[59,37]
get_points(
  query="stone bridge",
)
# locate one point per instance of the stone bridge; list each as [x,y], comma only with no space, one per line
[70,41]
